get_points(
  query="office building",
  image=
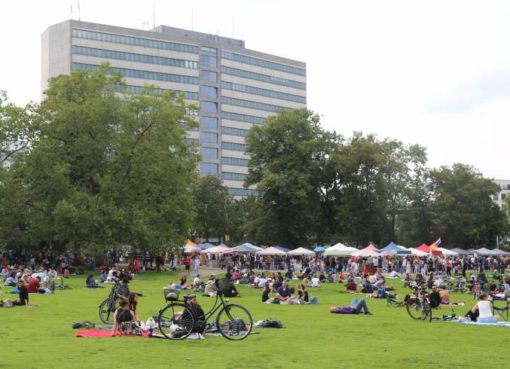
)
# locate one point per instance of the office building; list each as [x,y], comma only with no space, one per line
[235,87]
[500,197]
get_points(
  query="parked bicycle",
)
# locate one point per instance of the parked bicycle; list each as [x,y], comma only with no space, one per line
[178,320]
[418,305]
[109,305]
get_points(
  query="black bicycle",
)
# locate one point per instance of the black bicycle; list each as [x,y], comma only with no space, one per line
[418,305]
[177,320]
[109,305]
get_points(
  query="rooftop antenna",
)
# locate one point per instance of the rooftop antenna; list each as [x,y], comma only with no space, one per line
[233,27]
[79,11]
[192,19]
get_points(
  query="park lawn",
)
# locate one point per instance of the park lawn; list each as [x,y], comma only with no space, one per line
[41,336]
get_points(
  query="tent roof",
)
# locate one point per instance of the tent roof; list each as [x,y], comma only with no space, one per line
[217,250]
[205,245]
[365,253]
[423,247]
[300,251]
[246,248]
[461,251]
[483,251]
[271,251]
[394,247]
[418,252]
[339,250]
[448,252]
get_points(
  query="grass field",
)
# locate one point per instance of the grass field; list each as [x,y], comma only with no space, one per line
[41,336]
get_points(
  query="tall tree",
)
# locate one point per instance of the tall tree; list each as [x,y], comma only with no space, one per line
[464,214]
[106,169]
[283,165]
[211,202]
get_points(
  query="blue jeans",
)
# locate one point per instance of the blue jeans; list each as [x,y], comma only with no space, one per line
[359,306]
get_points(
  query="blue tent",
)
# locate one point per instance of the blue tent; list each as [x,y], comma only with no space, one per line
[205,246]
[392,246]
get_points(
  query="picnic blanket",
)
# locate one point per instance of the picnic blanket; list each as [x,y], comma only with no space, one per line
[467,321]
[102,333]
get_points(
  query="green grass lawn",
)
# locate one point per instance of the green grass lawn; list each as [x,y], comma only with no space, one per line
[41,336]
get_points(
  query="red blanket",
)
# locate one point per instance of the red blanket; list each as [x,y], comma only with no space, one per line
[98,333]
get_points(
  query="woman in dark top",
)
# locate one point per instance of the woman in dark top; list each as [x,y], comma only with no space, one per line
[23,294]
[265,293]
[133,303]
[122,315]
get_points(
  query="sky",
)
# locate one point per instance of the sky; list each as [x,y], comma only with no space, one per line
[433,73]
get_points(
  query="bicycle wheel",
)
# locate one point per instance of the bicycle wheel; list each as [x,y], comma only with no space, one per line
[106,311]
[176,321]
[416,310]
[234,322]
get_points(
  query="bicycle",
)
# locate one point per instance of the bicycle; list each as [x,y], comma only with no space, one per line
[109,305]
[177,320]
[418,305]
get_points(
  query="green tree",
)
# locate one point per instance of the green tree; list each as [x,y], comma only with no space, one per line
[211,202]
[464,214]
[284,163]
[106,169]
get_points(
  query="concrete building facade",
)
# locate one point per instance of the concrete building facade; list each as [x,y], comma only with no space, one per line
[235,87]
[500,197]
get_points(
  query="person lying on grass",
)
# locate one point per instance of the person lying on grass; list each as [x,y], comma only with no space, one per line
[356,307]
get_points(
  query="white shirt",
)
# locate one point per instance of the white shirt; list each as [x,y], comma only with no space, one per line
[484,308]
[315,282]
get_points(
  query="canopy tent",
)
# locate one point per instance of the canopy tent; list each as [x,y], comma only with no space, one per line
[284,249]
[448,252]
[392,246]
[417,252]
[190,248]
[497,252]
[301,251]
[217,250]
[204,246]
[246,248]
[319,249]
[435,250]
[423,247]
[370,247]
[470,251]
[364,253]
[483,251]
[271,251]
[339,250]
[460,251]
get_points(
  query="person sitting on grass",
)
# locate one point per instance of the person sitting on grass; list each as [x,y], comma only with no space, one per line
[283,293]
[265,293]
[210,288]
[351,286]
[356,307]
[23,299]
[123,318]
[91,282]
[484,309]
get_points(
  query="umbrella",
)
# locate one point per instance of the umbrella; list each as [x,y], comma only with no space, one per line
[319,249]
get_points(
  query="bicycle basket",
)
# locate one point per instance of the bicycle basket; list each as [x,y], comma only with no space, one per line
[170,294]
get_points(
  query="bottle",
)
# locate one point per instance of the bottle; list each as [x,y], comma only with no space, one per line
[150,326]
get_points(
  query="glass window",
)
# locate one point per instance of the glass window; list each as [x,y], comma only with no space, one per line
[208,91]
[208,107]
[207,75]
[209,122]
[233,146]
[208,61]
[209,153]
[263,77]
[234,161]
[242,117]
[233,176]
[209,137]
[208,168]
[245,59]
[234,131]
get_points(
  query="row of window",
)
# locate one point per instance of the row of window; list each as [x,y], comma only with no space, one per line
[208,107]
[209,122]
[227,160]
[241,192]
[263,92]
[233,176]
[143,74]
[263,63]
[187,95]
[242,117]
[208,92]
[252,104]
[208,61]
[132,57]
[208,169]
[234,131]
[208,76]
[135,41]
[263,78]
[209,153]
[209,137]
[233,146]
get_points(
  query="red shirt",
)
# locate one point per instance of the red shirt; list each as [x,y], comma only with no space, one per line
[33,285]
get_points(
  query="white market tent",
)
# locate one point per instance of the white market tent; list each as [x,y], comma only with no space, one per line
[417,252]
[339,250]
[271,251]
[448,252]
[365,253]
[246,248]
[301,251]
[461,251]
[217,250]
[483,251]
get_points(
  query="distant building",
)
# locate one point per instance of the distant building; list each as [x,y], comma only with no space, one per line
[235,87]
[500,197]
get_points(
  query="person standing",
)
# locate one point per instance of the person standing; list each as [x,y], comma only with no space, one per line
[196,265]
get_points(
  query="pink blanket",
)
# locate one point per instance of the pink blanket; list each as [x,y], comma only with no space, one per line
[99,333]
